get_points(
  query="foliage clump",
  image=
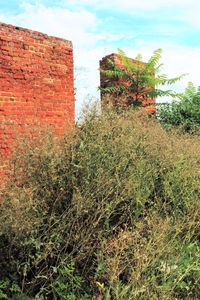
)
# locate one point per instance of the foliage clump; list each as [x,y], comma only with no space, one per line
[110,213]
[183,113]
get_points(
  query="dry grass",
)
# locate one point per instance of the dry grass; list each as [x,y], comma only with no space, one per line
[109,214]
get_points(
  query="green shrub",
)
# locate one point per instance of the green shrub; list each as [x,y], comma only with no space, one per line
[183,114]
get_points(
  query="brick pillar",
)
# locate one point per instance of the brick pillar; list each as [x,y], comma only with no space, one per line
[36,84]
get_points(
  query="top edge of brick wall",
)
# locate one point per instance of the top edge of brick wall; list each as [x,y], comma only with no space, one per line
[110,56]
[33,33]
[116,57]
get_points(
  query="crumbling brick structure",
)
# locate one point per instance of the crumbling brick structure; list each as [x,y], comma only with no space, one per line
[36,83]
[111,99]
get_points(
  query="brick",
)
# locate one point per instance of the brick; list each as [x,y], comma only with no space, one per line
[36,84]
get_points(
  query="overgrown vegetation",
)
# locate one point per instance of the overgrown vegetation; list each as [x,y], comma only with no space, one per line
[183,113]
[111,213]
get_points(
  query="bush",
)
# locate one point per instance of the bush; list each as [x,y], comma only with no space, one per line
[183,114]
[111,213]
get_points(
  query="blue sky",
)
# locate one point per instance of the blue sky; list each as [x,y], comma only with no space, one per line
[98,28]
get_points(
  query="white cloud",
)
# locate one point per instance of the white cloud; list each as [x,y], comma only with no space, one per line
[61,22]
[181,10]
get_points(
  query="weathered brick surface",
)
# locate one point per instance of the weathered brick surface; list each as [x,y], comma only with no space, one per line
[36,83]
[112,99]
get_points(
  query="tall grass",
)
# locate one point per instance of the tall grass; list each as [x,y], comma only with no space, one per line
[109,213]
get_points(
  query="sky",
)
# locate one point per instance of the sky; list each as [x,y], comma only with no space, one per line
[98,28]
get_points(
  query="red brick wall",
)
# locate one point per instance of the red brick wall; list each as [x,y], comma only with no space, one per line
[112,99]
[36,83]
